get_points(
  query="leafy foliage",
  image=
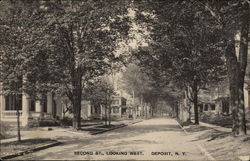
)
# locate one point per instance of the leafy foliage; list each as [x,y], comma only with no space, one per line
[99,91]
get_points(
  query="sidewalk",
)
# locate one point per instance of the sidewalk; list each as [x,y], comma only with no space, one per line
[219,128]
[219,142]
[36,133]
[59,132]
[57,135]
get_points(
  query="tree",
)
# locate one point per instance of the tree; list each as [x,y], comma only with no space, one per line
[83,39]
[232,18]
[100,92]
[17,22]
[183,56]
[135,82]
[226,19]
[64,44]
[140,81]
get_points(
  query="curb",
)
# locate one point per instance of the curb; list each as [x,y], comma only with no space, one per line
[30,150]
[100,132]
[122,125]
[202,149]
[135,122]
[91,124]
[106,130]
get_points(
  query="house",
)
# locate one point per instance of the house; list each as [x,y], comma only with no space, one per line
[118,109]
[118,106]
[206,103]
[47,108]
[222,105]
[131,108]
[215,99]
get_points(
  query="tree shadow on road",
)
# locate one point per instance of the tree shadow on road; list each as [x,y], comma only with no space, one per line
[206,133]
[132,131]
[218,135]
[197,128]
[127,132]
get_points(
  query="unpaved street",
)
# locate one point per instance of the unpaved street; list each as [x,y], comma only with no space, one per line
[154,139]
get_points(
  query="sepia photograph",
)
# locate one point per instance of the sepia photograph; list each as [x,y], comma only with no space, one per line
[125,80]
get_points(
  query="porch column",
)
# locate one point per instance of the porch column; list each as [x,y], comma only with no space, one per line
[89,109]
[49,103]
[25,109]
[246,101]
[2,105]
[38,108]
[2,100]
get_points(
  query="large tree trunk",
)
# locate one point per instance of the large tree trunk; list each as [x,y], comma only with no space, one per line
[77,112]
[195,102]
[236,67]
[243,53]
[236,82]
[77,98]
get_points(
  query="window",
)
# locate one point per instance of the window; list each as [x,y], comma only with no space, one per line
[212,107]
[124,110]
[32,105]
[206,107]
[12,102]
[123,101]
[44,104]
[97,110]
[200,107]
[225,106]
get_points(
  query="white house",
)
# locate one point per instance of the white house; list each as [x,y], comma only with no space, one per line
[50,107]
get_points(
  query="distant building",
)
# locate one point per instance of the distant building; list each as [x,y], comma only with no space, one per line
[119,108]
[215,99]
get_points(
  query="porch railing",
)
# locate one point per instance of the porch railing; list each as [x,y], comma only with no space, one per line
[10,114]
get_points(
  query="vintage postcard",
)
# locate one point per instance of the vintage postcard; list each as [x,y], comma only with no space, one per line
[124,80]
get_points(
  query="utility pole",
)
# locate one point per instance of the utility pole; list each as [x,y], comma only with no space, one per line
[17,112]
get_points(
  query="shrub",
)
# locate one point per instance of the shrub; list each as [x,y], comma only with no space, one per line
[33,122]
[66,121]
[48,123]
[4,130]
[42,122]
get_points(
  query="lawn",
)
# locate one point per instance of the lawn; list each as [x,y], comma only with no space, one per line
[221,145]
[24,145]
[222,120]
